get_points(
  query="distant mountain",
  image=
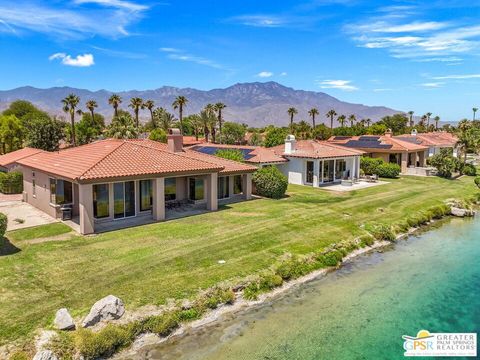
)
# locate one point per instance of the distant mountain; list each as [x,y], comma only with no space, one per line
[256,104]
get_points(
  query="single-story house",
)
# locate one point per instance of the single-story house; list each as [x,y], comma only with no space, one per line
[411,156]
[304,162]
[435,141]
[115,183]
[8,161]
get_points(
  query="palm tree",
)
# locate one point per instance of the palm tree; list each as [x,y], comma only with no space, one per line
[368,121]
[122,127]
[313,112]
[436,119]
[219,107]
[428,114]
[69,105]
[136,104]
[292,112]
[410,115]
[91,105]
[163,119]
[352,118]
[179,103]
[474,111]
[205,120]
[115,100]
[330,114]
[197,124]
[341,120]
[423,120]
[150,104]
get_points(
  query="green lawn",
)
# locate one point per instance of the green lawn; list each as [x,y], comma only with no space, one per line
[37,232]
[148,264]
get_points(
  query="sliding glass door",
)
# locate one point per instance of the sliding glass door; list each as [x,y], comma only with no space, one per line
[123,199]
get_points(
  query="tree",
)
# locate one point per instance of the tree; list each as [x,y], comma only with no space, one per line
[468,139]
[342,120]
[197,124]
[136,104]
[208,120]
[292,112]
[219,107]
[179,103]
[436,119]
[89,129]
[43,132]
[397,123]
[368,121]
[21,108]
[445,163]
[377,129]
[302,130]
[410,117]
[428,114]
[233,133]
[255,139]
[11,133]
[163,119]
[70,103]
[122,127]
[275,136]
[474,112]
[91,105]
[322,132]
[313,112]
[158,135]
[330,114]
[230,154]
[149,105]
[352,118]
[115,101]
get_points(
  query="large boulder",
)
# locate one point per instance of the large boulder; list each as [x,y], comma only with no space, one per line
[108,308]
[45,355]
[63,320]
[459,212]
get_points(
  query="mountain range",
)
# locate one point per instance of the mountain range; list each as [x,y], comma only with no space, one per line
[256,104]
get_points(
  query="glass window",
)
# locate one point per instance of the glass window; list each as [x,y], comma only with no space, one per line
[196,189]
[101,201]
[309,172]
[237,184]
[146,195]
[170,189]
[61,192]
[118,200]
[53,191]
[223,187]
[129,198]
[341,167]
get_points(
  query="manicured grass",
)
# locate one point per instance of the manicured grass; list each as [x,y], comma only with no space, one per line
[151,263]
[36,232]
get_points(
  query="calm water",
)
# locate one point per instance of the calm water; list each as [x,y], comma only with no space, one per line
[429,282]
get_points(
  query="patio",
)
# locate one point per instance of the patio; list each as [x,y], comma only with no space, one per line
[355,186]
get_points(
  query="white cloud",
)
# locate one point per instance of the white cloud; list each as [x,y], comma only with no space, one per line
[260,20]
[170,50]
[382,90]
[115,4]
[457,77]
[84,60]
[283,73]
[178,54]
[265,74]
[337,84]
[432,85]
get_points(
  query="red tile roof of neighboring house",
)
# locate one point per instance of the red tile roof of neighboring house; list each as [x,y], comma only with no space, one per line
[441,138]
[317,150]
[120,158]
[14,156]
[253,154]
[191,140]
[377,143]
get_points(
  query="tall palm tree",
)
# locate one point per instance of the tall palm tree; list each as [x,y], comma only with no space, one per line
[410,116]
[205,118]
[341,120]
[197,124]
[352,118]
[330,114]
[70,103]
[428,114]
[423,121]
[474,111]
[219,107]
[149,105]
[436,119]
[313,112]
[136,104]
[292,112]
[115,100]
[91,105]
[179,102]
[368,121]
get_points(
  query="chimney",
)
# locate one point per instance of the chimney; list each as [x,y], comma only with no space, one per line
[414,132]
[174,140]
[389,133]
[289,144]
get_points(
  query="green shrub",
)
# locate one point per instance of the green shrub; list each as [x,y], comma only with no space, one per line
[11,182]
[189,314]
[104,343]
[330,258]
[3,225]
[63,345]
[162,325]
[469,170]
[19,355]
[263,283]
[291,268]
[215,296]
[477,181]
[270,182]
[366,240]
[388,170]
[158,135]
[382,232]
[445,163]
[370,165]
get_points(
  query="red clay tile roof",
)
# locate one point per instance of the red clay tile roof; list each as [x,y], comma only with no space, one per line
[191,140]
[14,156]
[441,138]
[119,158]
[317,150]
[256,154]
[377,143]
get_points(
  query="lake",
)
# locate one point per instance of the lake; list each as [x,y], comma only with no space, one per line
[430,281]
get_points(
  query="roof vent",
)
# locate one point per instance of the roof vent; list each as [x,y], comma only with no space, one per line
[289,144]
[174,140]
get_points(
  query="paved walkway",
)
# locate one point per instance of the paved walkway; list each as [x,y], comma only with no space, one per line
[16,211]
[356,186]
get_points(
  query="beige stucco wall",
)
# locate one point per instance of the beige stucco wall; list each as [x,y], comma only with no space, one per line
[383,156]
[42,198]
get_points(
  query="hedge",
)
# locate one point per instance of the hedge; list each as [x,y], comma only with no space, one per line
[270,182]
[477,181]
[379,167]
[3,225]
[388,170]
[469,170]
[11,182]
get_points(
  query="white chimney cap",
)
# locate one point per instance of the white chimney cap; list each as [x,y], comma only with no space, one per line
[290,138]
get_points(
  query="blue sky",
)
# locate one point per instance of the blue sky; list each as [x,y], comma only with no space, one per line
[409,55]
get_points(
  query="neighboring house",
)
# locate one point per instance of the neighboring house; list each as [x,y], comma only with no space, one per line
[114,183]
[8,162]
[411,156]
[435,141]
[304,162]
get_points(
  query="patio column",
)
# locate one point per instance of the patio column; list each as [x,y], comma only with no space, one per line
[85,208]
[158,206]
[422,159]
[404,160]
[358,166]
[247,186]
[315,173]
[211,182]
[334,169]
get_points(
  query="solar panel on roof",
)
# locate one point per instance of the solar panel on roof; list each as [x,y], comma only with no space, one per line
[367,144]
[341,137]
[369,138]
[211,150]
[411,140]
